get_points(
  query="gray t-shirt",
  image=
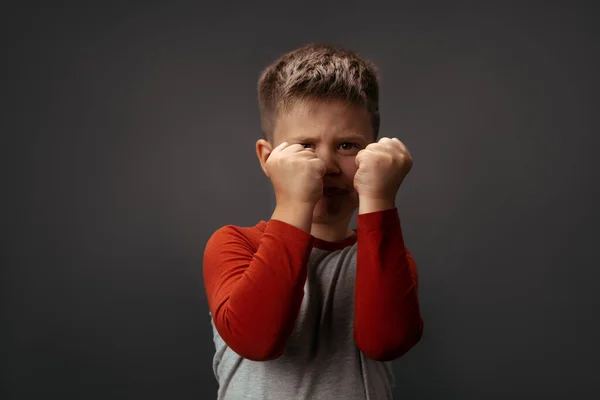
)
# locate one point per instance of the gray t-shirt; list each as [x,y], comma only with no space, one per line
[321,360]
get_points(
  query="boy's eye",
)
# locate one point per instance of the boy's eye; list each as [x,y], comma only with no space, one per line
[306,145]
[348,146]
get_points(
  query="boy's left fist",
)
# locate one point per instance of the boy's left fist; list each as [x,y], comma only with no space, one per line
[382,167]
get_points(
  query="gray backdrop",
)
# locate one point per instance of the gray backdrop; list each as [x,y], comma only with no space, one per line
[128,138]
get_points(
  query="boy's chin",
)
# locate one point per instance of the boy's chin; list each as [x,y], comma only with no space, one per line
[325,213]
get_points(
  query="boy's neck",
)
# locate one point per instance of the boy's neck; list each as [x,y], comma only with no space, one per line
[332,232]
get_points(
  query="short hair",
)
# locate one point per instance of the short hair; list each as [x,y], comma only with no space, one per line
[317,72]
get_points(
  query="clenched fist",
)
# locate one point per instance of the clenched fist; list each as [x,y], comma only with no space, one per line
[296,174]
[382,167]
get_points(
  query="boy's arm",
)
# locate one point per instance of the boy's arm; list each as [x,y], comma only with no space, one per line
[387,321]
[254,298]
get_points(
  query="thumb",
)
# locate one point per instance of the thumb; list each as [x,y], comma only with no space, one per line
[359,157]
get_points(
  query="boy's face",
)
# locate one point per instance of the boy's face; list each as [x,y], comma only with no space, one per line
[337,132]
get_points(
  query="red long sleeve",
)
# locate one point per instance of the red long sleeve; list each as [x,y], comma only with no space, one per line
[254,283]
[387,321]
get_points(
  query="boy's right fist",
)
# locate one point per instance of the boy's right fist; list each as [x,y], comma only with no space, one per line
[296,174]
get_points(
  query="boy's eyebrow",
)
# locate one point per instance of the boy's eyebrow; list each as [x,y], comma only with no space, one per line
[352,138]
[300,139]
[345,138]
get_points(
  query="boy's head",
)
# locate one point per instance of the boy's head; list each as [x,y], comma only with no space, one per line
[325,98]
[317,72]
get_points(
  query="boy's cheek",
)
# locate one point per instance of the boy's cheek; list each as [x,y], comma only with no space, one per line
[350,168]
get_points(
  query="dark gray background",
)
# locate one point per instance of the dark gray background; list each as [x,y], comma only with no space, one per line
[128,138]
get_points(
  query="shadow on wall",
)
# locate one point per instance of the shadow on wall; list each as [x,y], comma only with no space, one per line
[422,372]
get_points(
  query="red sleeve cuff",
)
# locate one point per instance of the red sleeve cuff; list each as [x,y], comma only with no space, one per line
[379,221]
[289,233]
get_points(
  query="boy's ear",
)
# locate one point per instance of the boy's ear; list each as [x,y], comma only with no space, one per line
[263,150]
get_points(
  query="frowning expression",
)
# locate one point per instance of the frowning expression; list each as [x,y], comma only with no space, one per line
[336,131]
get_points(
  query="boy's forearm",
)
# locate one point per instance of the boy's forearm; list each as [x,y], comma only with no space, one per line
[387,316]
[255,298]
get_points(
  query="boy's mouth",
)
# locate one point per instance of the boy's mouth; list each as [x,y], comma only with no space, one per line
[333,191]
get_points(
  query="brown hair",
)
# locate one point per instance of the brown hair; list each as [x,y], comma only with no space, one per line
[317,72]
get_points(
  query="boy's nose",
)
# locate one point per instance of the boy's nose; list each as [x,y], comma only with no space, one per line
[332,167]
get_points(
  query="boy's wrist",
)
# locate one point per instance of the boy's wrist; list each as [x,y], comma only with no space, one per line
[296,214]
[369,205]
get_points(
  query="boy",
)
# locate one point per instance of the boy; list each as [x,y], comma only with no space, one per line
[302,306]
